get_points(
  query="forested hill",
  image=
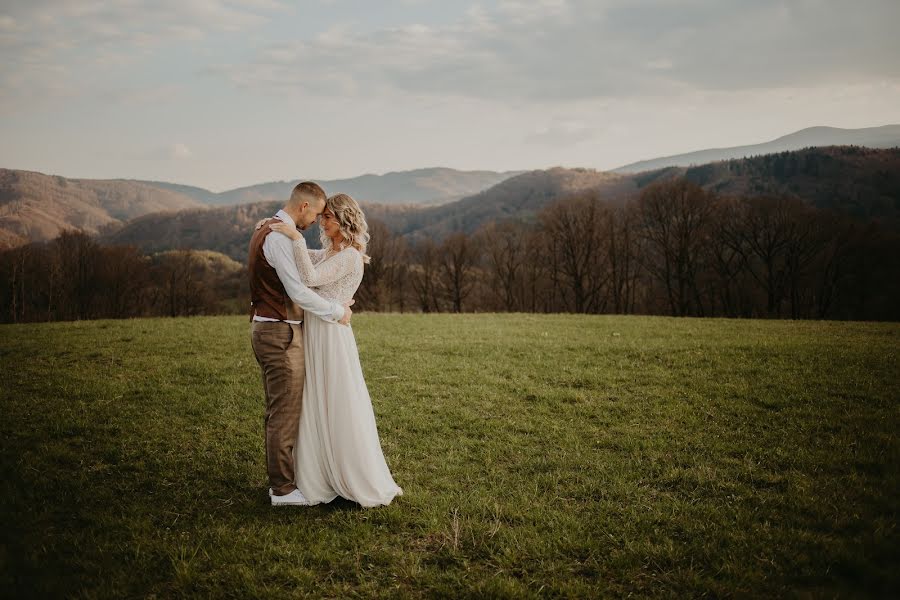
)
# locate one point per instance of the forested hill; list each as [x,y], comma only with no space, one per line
[858,181]
[862,182]
[225,229]
[418,186]
[885,136]
[36,207]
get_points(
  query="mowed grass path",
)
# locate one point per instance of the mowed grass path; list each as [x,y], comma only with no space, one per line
[559,456]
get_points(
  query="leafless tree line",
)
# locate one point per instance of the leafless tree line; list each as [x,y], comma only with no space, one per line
[676,249]
[73,278]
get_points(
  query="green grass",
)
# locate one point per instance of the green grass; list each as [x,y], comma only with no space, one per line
[554,456]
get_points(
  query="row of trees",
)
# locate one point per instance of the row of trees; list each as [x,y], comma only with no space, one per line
[73,277]
[677,249]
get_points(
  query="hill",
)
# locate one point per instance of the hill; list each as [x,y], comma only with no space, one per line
[887,136]
[199,194]
[36,207]
[520,197]
[859,181]
[419,186]
[226,229]
[862,182]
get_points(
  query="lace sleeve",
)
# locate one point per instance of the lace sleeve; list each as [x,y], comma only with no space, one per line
[326,271]
[316,255]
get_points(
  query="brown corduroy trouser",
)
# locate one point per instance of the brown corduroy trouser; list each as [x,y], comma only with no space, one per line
[278,347]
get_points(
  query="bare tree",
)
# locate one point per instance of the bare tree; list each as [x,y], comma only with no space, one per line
[123,276]
[370,295]
[536,286]
[423,275]
[623,253]
[458,254]
[384,284]
[182,289]
[78,256]
[674,218]
[575,226]
[505,256]
[835,261]
[809,236]
[398,270]
[726,257]
[766,228]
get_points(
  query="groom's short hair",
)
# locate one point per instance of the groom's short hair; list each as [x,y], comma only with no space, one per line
[308,188]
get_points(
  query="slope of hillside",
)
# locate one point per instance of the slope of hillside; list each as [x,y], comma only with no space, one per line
[519,197]
[887,136]
[36,207]
[859,181]
[862,182]
[199,194]
[420,186]
[224,229]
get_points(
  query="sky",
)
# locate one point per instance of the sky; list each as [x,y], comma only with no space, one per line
[227,93]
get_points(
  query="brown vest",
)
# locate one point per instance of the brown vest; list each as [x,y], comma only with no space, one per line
[267,295]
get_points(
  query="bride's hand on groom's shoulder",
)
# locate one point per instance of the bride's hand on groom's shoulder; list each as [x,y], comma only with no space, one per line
[259,224]
[284,228]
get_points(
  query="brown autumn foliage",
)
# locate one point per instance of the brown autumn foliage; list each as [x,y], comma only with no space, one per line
[38,207]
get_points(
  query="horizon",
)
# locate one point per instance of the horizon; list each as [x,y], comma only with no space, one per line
[438,167]
[213,94]
[431,168]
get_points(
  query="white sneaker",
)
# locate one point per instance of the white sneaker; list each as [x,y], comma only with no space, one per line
[295,498]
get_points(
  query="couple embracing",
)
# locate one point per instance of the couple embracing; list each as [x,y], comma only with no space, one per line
[321,437]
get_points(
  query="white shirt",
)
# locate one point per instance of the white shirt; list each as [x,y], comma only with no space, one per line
[279,253]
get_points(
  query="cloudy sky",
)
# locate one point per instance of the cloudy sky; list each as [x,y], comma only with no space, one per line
[224,93]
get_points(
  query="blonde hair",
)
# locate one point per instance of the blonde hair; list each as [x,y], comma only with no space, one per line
[352,222]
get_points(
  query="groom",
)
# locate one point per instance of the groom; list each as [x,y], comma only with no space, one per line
[276,336]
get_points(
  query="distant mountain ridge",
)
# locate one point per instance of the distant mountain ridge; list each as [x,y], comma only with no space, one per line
[886,136]
[519,197]
[435,185]
[433,202]
[225,229]
[862,182]
[36,207]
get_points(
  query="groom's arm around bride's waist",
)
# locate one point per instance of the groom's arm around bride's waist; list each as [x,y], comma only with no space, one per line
[279,254]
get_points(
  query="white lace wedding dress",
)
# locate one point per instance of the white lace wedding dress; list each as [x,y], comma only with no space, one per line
[338,452]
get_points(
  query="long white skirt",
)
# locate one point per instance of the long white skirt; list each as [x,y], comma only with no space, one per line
[338,452]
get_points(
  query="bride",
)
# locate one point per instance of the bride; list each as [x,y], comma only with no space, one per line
[338,452]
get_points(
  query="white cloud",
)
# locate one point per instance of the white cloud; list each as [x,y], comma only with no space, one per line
[111,88]
[55,49]
[180,151]
[562,132]
[559,50]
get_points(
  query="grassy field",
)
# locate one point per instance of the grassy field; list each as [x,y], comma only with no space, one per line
[561,456]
